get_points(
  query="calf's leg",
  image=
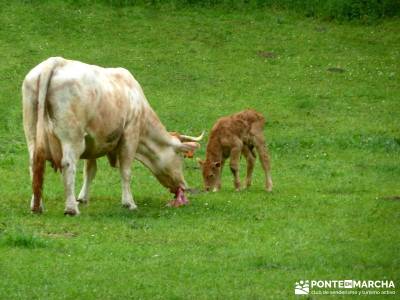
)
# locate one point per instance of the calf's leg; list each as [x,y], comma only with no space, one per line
[264,158]
[234,164]
[250,158]
[218,184]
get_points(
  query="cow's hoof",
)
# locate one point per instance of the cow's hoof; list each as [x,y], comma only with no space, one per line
[83,201]
[129,206]
[37,210]
[177,203]
[71,212]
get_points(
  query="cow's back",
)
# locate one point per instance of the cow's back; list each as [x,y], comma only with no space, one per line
[92,103]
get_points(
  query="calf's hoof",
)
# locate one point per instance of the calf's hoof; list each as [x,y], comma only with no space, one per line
[268,185]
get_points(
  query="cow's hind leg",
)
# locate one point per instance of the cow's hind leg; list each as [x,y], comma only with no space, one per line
[89,172]
[30,119]
[31,147]
[71,154]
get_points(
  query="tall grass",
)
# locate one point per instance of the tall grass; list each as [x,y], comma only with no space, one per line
[326,9]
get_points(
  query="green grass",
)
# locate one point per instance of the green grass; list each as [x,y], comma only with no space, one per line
[360,10]
[334,140]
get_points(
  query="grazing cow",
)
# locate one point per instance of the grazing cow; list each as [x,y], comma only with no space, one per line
[232,136]
[73,110]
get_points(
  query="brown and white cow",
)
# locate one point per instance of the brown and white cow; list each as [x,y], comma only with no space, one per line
[73,110]
[233,136]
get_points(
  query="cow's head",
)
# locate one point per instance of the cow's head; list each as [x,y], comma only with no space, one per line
[164,158]
[211,171]
[169,169]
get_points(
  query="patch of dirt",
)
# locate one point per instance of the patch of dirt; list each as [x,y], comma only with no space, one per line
[391,198]
[266,54]
[194,191]
[336,70]
[61,234]
[320,29]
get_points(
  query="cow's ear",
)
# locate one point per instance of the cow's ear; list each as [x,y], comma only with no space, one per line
[188,146]
[217,164]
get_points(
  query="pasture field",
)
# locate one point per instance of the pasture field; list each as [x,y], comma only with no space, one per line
[331,94]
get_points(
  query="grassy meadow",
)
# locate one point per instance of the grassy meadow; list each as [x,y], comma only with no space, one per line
[331,94]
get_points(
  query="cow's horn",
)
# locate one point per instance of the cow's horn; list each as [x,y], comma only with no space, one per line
[187,138]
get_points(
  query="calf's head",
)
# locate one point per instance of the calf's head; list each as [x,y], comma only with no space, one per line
[211,172]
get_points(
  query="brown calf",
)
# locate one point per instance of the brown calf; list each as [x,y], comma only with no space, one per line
[232,136]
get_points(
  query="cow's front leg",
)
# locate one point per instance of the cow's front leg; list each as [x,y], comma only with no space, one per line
[68,164]
[125,171]
[234,164]
[125,159]
[89,172]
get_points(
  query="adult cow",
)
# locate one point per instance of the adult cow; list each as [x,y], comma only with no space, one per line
[73,110]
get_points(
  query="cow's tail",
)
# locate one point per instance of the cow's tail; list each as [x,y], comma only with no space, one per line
[39,154]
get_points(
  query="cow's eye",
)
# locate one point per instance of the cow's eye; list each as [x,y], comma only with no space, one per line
[210,176]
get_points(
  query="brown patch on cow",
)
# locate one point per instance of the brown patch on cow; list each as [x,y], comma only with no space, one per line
[119,77]
[39,160]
